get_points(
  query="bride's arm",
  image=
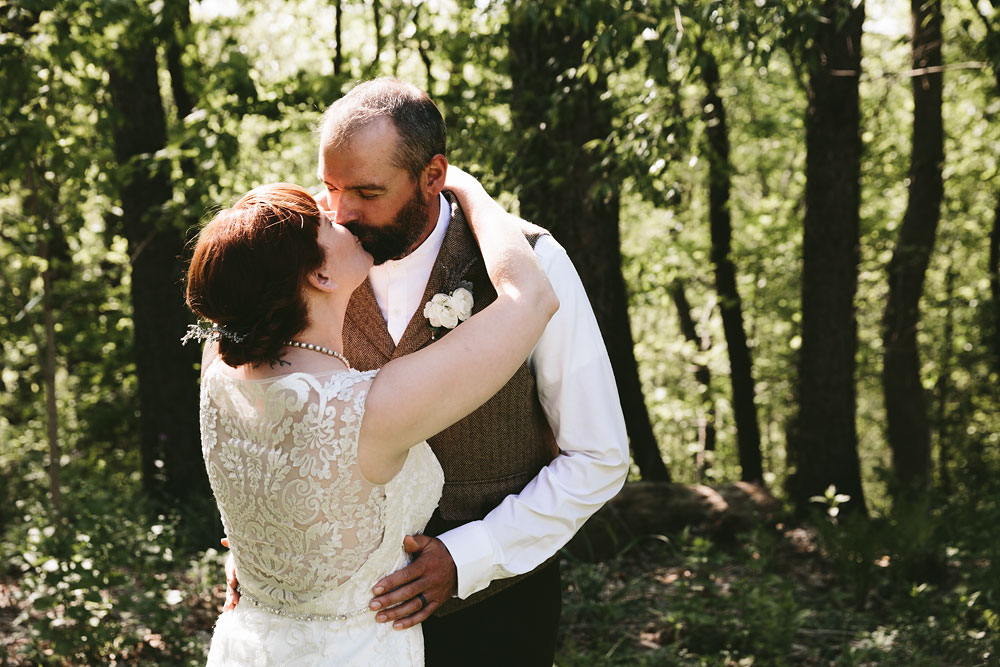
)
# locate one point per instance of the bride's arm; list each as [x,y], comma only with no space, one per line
[416,396]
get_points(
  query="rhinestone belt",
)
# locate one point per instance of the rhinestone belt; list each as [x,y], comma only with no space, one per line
[299,617]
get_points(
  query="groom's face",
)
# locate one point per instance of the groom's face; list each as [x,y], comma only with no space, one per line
[376,200]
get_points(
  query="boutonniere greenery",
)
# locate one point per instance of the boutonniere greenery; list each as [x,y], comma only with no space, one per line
[445,311]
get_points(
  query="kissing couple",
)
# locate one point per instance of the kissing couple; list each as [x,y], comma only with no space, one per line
[407,407]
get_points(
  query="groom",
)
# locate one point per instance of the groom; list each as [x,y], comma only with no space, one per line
[524,471]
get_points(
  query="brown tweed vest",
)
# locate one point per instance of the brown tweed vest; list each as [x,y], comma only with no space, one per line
[500,447]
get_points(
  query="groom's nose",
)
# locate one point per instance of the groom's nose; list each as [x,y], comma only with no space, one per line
[344,208]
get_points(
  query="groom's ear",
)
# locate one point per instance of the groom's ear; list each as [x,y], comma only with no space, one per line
[432,177]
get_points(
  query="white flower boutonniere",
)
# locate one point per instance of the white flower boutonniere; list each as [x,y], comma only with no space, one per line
[445,311]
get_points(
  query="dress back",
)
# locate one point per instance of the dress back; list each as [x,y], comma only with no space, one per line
[309,533]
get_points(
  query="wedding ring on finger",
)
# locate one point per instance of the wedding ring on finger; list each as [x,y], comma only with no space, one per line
[423,600]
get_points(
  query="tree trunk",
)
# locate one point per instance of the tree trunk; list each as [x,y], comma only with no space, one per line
[730,306]
[338,49]
[49,375]
[52,249]
[941,387]
[706,422]
[422,44]
[175,66]
[377,17]
[905,403]
[823,436]
[994,269]
[172,467]
[566,188]
[184,103]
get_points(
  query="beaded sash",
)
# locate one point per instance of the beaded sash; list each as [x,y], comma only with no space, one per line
[299,617]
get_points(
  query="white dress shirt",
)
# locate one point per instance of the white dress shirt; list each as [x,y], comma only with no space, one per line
[578,394]
[399,284]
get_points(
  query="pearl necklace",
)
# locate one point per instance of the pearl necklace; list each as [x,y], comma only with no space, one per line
[319,348]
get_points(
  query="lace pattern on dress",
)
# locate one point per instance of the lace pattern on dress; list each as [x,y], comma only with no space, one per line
[282,461]
[310,535]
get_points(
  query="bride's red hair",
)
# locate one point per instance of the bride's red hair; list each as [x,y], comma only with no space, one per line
[248,269]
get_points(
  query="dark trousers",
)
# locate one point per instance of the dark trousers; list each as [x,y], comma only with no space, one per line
[516,627]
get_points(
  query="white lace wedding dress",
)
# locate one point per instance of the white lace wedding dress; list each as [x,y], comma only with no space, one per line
[309,534]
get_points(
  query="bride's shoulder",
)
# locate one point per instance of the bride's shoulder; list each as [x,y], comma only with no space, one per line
[364,376]
[332,384]
[347,382]
[342,384]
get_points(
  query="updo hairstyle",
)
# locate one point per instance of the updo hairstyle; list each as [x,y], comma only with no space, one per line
[249,266]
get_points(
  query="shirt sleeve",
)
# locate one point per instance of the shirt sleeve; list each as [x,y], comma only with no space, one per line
[577,391]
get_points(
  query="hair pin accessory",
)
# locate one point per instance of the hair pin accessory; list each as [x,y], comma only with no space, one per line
[202,332]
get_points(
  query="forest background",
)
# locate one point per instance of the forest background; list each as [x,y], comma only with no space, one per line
[785,214]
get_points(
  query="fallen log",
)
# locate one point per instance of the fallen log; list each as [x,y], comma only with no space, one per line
[644,509]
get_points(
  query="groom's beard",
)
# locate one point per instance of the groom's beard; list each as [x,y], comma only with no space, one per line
[397,238]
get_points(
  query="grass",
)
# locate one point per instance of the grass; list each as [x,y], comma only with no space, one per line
[921,589]
[781,595]
[778,597]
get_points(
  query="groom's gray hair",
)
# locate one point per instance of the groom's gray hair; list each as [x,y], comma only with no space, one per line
[416,117]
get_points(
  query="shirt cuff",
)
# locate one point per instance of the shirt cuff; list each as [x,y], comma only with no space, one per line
[471,547]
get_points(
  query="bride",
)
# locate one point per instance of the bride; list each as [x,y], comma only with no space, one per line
[319,471]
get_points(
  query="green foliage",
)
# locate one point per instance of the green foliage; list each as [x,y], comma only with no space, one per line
[105,587]
[852,593]
[661,246]
[53,202]
[913,589]
[697,616]
[689,609]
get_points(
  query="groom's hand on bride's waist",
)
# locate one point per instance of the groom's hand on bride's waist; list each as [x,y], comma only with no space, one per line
[408,596]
